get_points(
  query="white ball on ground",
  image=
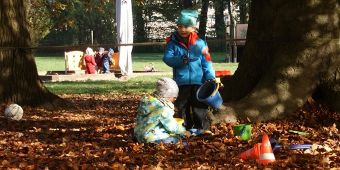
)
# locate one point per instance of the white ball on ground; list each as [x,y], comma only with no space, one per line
[14,112]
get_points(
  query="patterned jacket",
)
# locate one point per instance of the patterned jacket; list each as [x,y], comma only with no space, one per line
[155,120]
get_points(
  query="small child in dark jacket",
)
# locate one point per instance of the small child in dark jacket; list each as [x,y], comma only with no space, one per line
[189,57]
[107,60]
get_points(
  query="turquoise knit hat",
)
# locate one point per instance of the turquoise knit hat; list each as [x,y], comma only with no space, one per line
[188,17]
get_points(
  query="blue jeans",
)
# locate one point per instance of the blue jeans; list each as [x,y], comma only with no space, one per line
[106,67]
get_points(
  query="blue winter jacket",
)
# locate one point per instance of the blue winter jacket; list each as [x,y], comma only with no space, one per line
[199,67]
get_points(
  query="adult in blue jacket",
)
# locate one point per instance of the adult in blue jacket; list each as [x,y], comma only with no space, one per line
[189,57]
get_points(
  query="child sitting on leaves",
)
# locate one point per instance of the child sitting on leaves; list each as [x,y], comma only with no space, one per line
[155,122]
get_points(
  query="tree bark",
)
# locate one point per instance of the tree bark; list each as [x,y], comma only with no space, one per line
[328,91]
[203,19]
[19,80]
[292,51]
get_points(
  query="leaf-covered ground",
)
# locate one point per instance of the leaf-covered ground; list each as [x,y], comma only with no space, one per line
[98,135]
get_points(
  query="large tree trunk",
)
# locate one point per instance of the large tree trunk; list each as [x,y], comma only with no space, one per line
[328,90]
[19,81]
[292,50]
[203,19]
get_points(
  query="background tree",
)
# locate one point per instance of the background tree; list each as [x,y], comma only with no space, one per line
[203,19]
[162,12]
[243,11]
[39,20]
[220,25]
[96,15]
[230,44]
[186,4]
[292,51]
[140,22]
[168,8]
[74,20]
[19,81]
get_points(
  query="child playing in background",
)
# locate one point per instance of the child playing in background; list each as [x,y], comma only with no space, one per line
[189,57]
[107,61]
[155,122]
[89,61]
[99,60]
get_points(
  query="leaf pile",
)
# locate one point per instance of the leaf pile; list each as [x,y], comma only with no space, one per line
[98,134]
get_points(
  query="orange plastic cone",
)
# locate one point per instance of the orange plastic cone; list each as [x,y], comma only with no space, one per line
[253,153]
[266,155]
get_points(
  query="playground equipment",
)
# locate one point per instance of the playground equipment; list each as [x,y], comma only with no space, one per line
[115,63]
[222,73]
[74,62]
[262,152]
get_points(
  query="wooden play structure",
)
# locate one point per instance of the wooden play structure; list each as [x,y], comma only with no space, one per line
[74,62]
[115,63]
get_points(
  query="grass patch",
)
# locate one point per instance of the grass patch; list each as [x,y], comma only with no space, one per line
[138,85]
[50,62]
[57,63]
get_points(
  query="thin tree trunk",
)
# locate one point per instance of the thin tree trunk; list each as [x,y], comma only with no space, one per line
[220,27]
[203,19]
[186,4]
[231,31]
[140,30]
[19,81]
[292,48]
[243,11]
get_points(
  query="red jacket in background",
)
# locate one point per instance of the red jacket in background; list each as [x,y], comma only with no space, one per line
[90,64]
